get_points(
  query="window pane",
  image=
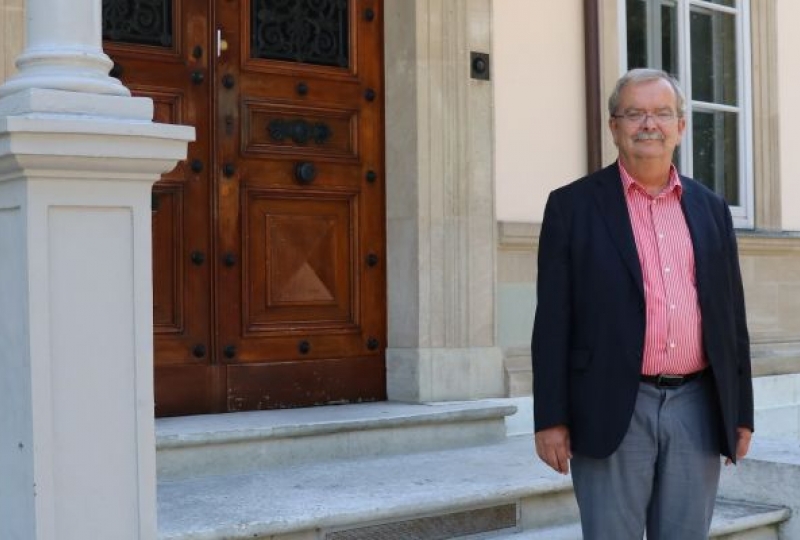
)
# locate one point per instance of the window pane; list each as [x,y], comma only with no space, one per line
[729,3]
[669,38]
[636,21]
[713,36]
[652,38]
[715,152]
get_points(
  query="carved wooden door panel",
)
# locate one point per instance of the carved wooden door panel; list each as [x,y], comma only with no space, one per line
[161,50]
[269,241]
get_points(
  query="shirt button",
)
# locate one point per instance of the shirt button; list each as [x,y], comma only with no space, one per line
[672,306]
[661,235]
[671,344]
[666,270]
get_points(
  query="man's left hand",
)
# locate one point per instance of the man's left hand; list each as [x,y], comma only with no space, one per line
[742,443]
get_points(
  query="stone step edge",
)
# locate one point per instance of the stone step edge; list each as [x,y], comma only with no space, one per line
[767,515]
[432,415]
[569,531]
[372,516]
[762,516]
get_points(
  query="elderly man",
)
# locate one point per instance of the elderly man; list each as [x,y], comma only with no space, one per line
[641,355]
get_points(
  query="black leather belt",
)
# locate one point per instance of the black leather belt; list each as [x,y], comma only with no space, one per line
[671,381]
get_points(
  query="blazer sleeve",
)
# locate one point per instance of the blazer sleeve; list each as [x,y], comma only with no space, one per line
[745,413]
[550,341]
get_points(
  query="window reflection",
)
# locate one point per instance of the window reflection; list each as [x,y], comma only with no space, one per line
[715,152]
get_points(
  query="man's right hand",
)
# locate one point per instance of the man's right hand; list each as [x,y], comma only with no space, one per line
[553,447]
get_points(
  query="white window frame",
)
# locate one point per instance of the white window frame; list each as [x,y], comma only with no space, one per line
[743,213]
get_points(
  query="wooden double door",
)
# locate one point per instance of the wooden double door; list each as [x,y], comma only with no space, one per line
[269,279]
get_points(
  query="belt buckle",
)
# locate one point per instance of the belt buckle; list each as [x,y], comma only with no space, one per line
[669,381]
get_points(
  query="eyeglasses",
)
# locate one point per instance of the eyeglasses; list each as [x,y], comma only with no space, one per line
[635,116]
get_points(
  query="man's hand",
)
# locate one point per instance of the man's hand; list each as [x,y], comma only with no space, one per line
[553,447]
[742,443]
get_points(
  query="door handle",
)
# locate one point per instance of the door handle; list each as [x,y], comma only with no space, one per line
[222,43]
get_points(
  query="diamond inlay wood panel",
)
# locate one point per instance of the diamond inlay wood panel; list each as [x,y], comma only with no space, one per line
[300,258]
[302,250]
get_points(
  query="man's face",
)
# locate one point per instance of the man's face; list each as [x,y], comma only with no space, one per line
[655,135]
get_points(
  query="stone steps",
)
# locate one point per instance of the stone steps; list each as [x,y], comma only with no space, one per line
[195,446]
[497,490]
[460,486]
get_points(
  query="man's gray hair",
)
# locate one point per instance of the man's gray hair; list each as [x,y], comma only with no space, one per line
[641,75]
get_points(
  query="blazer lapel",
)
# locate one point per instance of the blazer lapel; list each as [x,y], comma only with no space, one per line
[612,206]
[697,222]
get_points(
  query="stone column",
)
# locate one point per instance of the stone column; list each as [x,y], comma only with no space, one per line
[77,162]
[440,193]
[63,50]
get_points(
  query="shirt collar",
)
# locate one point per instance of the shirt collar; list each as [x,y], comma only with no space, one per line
[629,182]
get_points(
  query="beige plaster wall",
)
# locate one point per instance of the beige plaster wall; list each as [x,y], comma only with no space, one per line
[539,103]
[788,60]
[12,35]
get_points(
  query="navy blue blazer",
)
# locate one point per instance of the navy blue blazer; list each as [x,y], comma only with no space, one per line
[588,334]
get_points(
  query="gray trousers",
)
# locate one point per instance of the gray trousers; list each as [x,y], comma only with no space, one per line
[664,476]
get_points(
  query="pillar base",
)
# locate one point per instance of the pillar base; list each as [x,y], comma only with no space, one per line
[69,70]
[439,374]
[62,104]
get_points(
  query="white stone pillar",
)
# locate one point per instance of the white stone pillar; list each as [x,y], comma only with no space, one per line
[77,448]
[440,192]
[63,50]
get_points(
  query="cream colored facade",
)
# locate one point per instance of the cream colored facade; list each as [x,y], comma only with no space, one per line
[787,13]
[539,95]
[539,85]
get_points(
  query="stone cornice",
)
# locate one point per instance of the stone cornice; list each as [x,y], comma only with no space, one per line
[769,243]
[515,235]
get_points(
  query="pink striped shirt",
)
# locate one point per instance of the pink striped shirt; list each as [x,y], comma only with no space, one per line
[673,340]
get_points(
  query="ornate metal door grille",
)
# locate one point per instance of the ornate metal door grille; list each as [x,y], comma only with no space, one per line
[143,22]
[309,31]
